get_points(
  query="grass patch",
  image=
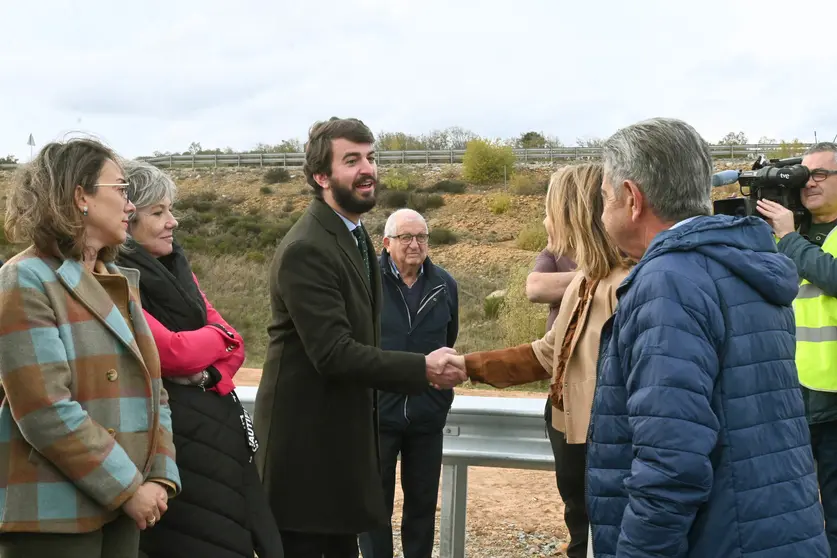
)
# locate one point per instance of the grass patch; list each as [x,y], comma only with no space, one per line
[521,321]
[491,307]
[532,238]
[476,332]
[277,176]
[499,203]
[441,235]
[525,184]
[237,287]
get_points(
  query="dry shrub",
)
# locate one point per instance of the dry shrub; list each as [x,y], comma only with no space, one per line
[520,320]
[532,238]
[236,285]
[526,184]
[499,203]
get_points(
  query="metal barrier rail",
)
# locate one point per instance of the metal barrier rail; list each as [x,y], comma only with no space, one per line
[441,156]
[504,432]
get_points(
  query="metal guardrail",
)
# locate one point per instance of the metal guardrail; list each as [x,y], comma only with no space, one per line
[432,156]
[504,432]
[507,432]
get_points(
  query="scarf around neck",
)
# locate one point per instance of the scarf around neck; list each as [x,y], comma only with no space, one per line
[167,287]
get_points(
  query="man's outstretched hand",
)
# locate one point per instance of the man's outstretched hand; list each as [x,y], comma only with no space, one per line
[441,371]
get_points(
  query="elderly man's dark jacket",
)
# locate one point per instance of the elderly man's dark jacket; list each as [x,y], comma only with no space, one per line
[435,325]
[316,409]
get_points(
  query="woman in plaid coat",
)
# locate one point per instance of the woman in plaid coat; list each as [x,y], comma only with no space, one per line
[86,452]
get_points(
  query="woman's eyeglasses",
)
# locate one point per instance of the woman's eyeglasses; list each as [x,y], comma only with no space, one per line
[123,188]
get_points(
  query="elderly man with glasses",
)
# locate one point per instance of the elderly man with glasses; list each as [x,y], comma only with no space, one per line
[420,314]
[813,249]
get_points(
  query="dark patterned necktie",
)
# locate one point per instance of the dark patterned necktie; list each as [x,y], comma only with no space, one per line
[364,250]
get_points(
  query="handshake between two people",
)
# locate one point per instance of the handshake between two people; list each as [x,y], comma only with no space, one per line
[445,368]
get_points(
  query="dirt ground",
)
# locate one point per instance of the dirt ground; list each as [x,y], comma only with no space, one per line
[511,513]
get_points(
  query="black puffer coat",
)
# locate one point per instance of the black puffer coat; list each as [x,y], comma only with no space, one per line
[224,513]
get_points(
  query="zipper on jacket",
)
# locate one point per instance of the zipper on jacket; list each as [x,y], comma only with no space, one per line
[422,305]
[407,308]
[427,297]
[410,330]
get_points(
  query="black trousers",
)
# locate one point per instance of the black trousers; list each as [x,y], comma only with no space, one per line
[318,545]
[824,445]
[117,539]
[570,465]
[421,466]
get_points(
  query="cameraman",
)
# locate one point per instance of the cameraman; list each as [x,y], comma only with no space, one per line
[813,249]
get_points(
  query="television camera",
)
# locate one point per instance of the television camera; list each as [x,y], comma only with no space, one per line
[778,180]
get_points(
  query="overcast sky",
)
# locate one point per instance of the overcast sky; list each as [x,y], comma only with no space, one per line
[155,75]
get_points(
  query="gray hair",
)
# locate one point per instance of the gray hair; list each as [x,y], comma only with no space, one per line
[670,163]
[147,185]
[391,227]
[823,147]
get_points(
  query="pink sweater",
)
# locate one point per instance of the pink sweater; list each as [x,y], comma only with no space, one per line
[184,353]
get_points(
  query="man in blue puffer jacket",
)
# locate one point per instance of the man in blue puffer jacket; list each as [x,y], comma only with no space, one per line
[698,445]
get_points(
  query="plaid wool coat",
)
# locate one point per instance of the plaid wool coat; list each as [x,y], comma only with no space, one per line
[85,419]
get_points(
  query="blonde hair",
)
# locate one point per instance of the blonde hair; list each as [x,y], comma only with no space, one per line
[41,208]
[574,215]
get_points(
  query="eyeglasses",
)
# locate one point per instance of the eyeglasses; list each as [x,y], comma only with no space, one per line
[818,175]
[406,239]
[123,188]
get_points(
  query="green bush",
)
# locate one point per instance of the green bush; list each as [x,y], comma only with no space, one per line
[442,235]
[394,199]
[200,202]
[491,307]
[788,149]
[532,238]
[448,186]
[399,180]
[525,184]
[485,162]
[499,203]
[435,201]
[232,233]
[277,175]
[423,202]
[266,190]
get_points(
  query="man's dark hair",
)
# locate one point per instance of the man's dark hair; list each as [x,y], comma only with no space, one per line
[318,152]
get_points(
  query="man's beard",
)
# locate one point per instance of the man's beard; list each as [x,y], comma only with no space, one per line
[345,196]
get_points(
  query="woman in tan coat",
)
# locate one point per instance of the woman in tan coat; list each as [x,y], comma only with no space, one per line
[568,353]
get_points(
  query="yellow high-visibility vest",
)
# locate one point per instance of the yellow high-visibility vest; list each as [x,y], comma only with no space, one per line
[816,331]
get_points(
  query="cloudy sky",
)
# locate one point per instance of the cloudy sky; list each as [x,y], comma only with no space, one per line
[155,75]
